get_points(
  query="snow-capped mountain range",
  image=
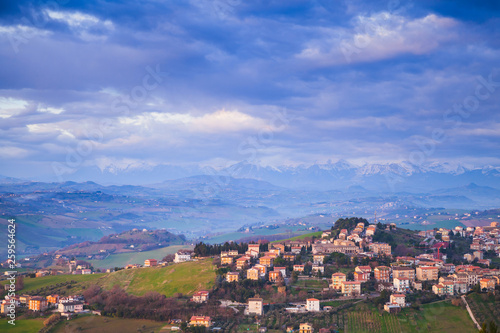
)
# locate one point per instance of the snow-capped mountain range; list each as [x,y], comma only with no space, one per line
[391,177]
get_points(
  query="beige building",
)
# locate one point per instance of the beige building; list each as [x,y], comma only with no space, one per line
[253,274]
[351,288]
[232,277]
[254,247]
[306,328]
[266,261]
[226,260]
[403,272]
[338,245]
[337,279]
[380,248]
[427,273]
[255,306]
[399,299]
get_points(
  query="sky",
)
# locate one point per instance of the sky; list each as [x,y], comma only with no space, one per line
[136,84]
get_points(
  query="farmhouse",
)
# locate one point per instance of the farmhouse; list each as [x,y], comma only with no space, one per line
[75,306]
[200,296]
[150,263]
[182,256]
[200,321]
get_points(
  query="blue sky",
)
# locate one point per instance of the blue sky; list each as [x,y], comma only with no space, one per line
[135,84]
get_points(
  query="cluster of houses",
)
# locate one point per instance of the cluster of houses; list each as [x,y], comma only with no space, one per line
[65,305]
[85,268]
[180,256]
[404,275]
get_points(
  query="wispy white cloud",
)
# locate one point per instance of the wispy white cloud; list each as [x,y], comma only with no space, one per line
[11,106]
[13,152]
[379,36]
[87,27]
[216,122]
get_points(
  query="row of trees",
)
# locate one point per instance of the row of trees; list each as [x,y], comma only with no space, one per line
[201,249]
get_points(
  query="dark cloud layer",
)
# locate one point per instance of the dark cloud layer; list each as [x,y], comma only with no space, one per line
[131,83]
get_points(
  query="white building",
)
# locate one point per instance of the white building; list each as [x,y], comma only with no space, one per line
[401,285]
[312,304]
[75,306]
[182,256]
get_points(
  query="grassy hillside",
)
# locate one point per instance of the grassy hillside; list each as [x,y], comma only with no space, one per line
[97,324]
[309,235]
[185,278]
[22,325]
[123,259]
[31,284]
[435,317]
[485,307]
[281,231]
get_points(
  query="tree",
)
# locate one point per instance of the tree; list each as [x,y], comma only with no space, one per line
[169,258]
[52,319]
[489,328]
[19,282]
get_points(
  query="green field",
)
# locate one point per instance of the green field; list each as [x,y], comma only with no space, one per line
[31,284]
[22,325]
[435,317]
[310,284]
[335,304]
[98,324]
[185,278]
[123,259]
[307,235]
[284,231]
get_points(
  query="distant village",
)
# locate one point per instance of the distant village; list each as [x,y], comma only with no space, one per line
[376,270]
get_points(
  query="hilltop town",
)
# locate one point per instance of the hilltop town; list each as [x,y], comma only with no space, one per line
[287,285]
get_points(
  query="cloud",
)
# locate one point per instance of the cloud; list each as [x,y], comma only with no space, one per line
[380,36]
[13,152]
[85,26]
[11,106]
[231,65]
[50,109]
[216,122]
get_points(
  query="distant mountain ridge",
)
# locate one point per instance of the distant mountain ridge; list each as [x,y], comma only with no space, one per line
[403,176]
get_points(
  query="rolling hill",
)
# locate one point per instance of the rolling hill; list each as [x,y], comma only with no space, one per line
[185,278]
